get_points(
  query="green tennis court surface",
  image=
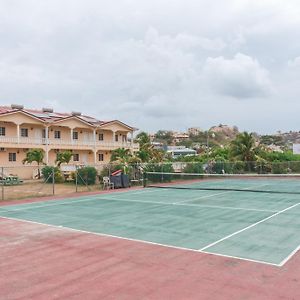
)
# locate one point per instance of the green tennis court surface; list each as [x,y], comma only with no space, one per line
[254,226]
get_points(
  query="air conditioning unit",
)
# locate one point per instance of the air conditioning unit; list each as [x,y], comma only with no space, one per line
[2,149]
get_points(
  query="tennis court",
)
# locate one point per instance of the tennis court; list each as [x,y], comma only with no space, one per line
[261,227]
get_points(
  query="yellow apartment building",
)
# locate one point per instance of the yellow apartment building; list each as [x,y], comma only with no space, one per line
[90,140]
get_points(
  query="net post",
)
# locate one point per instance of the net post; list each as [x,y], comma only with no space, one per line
[144,179]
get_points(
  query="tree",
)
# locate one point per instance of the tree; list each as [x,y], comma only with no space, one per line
[120,155]
[143,140]
[63,157]
[34,155]
[243,147]
[164,136]
[123,157]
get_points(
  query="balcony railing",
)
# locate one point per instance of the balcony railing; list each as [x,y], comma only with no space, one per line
[62,142]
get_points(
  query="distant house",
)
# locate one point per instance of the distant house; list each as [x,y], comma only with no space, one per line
[194,130]
[176,151]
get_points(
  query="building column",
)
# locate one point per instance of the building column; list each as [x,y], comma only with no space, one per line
[113,136]
[95,146]
[47,156]
[131,139]
[47,144]
[18,133]
[71,135]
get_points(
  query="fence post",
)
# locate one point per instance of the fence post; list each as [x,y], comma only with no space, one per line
[76,179]
[2,189]
[53,182]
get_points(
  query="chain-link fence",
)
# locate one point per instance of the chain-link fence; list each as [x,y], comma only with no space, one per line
[20,182]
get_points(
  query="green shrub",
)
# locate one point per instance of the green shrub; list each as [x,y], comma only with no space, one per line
[262,166]
[47,174]
[238,167]
[196,167]
[86,175]
[162,168]
[280,168]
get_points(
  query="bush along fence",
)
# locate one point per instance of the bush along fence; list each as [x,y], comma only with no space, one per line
[26,181]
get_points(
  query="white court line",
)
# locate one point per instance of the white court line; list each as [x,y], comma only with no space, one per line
[194,205]
[54,202]
[226,192]
[136,201]
[289,256]
[202,197]
[241,258]
[248,227]
[137,240]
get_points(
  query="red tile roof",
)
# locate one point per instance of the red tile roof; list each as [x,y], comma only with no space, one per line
[54,116]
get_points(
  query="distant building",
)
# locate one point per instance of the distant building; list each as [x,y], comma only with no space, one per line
[176,151]
[194,130]
[179,136]
[296,148]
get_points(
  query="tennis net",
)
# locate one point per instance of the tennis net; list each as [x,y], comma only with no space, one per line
[259,183]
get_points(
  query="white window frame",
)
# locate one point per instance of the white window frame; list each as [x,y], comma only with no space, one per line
[24,132]
[57,134]
[75,135]
[2,131]
[12,156]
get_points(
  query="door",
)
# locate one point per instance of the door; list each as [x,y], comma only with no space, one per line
[38,135]
[85,158]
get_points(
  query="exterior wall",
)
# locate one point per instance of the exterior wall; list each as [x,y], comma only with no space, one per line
[20,155]
[107,135]
[65,133]
[10,128]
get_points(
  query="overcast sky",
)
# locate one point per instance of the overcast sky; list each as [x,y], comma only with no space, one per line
[156,64]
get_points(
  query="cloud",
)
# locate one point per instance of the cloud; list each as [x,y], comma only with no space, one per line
[241,77]
[155,64]
[294,63]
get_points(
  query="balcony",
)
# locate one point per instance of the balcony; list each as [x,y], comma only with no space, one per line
[24,142]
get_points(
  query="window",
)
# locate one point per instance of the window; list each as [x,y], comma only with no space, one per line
[101,137]
[24,132]
[101,157]
[12,156]
[75,135]
[124,138]
[75,157]
[57,134]
[116,138]
[2,131]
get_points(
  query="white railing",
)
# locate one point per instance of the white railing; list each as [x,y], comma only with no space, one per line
[63,142]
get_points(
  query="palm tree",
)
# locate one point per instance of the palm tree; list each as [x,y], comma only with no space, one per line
[147,152]
[63,157]
[120,154]
[143,139]
[34,155]
[243,147]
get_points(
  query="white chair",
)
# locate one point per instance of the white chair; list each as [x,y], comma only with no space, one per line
[107,184]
